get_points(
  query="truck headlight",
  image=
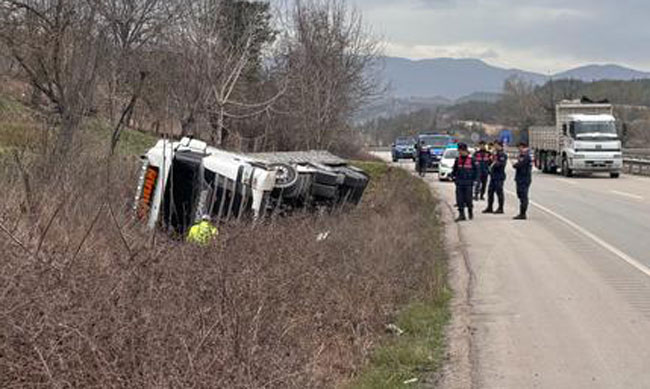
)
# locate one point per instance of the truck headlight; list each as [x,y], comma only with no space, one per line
[618,155]
[578,156]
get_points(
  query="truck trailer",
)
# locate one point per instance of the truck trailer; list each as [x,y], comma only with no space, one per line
[583,140]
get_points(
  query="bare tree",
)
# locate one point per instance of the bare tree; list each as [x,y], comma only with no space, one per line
[520,105]
[59,46]
[328,58]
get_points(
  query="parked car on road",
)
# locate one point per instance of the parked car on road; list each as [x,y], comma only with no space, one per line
[447,164]
[403,148]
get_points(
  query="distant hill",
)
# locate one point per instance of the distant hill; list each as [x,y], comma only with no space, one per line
[603,72]
[394,106]
[483,97]
[456,78]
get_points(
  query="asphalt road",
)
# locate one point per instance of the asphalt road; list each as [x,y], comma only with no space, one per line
[561,300]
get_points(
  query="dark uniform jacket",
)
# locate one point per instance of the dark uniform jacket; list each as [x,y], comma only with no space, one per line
[464,171]
[524,168]
[498,168]
[482,159]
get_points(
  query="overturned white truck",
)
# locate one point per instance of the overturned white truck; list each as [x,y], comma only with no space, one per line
[182,182]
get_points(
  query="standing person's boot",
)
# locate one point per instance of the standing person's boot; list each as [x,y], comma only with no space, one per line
[470,212]
[461,216]
[500,209]
[488,210]
[522,213]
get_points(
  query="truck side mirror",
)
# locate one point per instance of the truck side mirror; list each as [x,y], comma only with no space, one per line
[564,129]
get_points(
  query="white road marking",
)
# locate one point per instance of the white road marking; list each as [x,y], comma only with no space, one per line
[567,181]
[625,194]
[631,261]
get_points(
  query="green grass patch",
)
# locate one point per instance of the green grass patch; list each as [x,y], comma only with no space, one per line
[20,129]
[131,142]
[11,107]
[419,351]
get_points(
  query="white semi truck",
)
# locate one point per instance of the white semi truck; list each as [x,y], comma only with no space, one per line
[583,140]
[183,181]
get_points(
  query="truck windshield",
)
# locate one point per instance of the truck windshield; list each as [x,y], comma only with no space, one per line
[583,128]
[436,140]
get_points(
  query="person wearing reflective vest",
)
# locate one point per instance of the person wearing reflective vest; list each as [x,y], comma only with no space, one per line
[497,178]
[464,175]
[482,158]
[203,232]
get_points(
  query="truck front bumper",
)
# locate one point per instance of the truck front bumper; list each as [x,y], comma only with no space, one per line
[597,165]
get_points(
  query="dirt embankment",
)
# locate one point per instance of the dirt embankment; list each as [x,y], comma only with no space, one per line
[89,298]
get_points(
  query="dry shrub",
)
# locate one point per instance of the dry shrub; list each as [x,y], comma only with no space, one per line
[268,305]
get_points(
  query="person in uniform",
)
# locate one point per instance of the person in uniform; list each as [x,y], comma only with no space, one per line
[482,159]
[497,178]
[422,159]
[523,177]
[203,232]
[464,175]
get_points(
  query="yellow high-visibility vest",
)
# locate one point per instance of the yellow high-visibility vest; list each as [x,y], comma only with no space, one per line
[202,233]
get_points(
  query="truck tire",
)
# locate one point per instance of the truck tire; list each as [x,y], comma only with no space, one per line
[326,178]
[286,175]
[324,191]
[615,174]
[566,172]
[544,164]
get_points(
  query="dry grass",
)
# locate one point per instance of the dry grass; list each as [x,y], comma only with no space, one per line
[90,299]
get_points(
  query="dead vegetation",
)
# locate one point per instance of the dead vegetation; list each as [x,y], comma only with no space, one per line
[89,299]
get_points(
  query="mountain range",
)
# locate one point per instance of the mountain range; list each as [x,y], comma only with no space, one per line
[453,79]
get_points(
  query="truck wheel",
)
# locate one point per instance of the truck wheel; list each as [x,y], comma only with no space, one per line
[566,172]
[324,191]
[286,175]
[326,178]
[615,174]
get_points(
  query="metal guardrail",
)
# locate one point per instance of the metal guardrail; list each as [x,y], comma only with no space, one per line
[636,166]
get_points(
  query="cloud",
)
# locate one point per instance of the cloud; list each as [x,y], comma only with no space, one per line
[539,35]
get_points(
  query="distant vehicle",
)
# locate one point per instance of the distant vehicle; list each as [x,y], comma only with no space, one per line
[506,137]
[435,144]
[403,148]
[181,182]
[447,164]
[584,140]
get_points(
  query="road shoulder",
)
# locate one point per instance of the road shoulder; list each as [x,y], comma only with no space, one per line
[457,372]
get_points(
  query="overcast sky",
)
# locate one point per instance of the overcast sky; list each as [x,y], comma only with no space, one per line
[538,35]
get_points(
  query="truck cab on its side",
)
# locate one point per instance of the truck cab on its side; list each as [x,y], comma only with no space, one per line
[181,182]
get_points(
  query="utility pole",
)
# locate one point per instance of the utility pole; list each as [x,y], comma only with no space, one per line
[552,96]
